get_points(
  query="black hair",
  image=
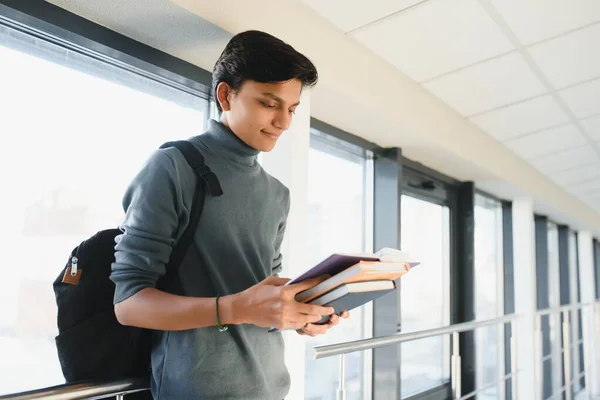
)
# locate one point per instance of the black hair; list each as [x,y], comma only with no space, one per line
[260,57]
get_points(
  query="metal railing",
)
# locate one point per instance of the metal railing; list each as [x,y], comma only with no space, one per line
[342,349]
[84,390]
[565,348]
[102,390]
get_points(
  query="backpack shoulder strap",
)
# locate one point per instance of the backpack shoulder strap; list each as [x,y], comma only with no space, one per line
[196,161]
[205,179]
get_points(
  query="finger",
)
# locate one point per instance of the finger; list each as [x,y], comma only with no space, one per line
[334,319]
[314,309]
[276,281]
[345,314]
[300,320]
[314,330]
[307,284]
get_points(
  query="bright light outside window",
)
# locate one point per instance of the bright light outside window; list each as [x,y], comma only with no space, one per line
[489,299]
[553,365]
[425,294]
[338,190]
[574,314]
[77,132]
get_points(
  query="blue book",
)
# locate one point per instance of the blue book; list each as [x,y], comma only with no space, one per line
[351,295]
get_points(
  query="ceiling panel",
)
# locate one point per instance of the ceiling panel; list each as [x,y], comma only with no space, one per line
[583,100]
[463,34]
[583,188]
[487,85]
[546,142]
[535,20]
[569,59]
[565,160]
[469,36]
[351,14]
[592,127]
[528,116]
[576,175]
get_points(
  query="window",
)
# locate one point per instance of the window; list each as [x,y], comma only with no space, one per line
[425,234]
[597,267]
[340,188]
[79,130]
[489,299]
[575,315]
[552,354]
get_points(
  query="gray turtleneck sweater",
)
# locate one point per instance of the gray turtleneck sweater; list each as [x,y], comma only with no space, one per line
[237,245]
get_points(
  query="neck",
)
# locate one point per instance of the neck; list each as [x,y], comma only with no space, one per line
[220,139]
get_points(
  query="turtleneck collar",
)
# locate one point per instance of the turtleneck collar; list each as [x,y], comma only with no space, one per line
[225,143]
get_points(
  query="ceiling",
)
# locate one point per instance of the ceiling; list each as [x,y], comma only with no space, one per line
[527,72]
[432,91]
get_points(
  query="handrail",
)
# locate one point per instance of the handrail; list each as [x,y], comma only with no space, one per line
[568,307]
[83,390]
[565,347]
[367,344]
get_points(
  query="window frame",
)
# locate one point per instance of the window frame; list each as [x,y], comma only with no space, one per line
[46,21]
[53,24]
[42,22]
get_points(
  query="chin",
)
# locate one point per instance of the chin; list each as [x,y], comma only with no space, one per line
[267,148]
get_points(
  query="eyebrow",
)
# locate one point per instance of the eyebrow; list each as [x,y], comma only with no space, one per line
[277,98]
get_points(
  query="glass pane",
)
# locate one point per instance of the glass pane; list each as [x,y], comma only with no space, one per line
[336,201]
[87,127]
[489,299]
[574,315]
[555,366]
[425,294]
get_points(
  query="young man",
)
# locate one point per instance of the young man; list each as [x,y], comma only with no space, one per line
[233,264]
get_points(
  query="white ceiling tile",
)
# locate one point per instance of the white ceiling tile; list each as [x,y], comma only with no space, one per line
[535,20]
[592,127]
[576,175]
[520,118]
[583,188]
[351,14]
[463,34]
[569,59]
[546,142]
[565,160]
[487,85]
[583,100]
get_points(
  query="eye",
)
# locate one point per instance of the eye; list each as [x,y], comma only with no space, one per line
[292,112]
[269,106]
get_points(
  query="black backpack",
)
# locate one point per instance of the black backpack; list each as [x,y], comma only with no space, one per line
[91,344]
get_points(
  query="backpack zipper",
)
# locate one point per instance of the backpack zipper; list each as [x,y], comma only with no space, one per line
[74,261]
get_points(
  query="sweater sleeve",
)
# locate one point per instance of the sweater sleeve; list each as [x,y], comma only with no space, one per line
[277,265]
[154,210]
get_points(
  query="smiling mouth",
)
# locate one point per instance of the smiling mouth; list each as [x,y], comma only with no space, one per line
[271,135]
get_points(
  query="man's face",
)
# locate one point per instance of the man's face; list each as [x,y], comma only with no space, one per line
[258,113]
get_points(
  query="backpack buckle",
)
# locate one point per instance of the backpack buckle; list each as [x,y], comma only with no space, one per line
[203,170]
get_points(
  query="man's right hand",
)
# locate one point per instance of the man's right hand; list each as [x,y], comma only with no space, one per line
[271,304]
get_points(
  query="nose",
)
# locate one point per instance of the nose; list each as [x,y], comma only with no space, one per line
[282,120]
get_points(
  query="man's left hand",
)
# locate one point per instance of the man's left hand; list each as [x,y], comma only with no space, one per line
[315,330]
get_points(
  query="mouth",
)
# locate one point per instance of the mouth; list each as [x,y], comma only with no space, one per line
[274,136]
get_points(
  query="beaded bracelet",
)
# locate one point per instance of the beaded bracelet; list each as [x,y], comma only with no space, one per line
[222,328]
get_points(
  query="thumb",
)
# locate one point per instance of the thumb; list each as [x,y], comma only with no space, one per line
[309,283]
[275,281]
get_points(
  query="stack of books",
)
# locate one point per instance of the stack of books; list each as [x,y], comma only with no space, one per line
[355,279]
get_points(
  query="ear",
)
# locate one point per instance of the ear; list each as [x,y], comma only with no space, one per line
[222,93]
